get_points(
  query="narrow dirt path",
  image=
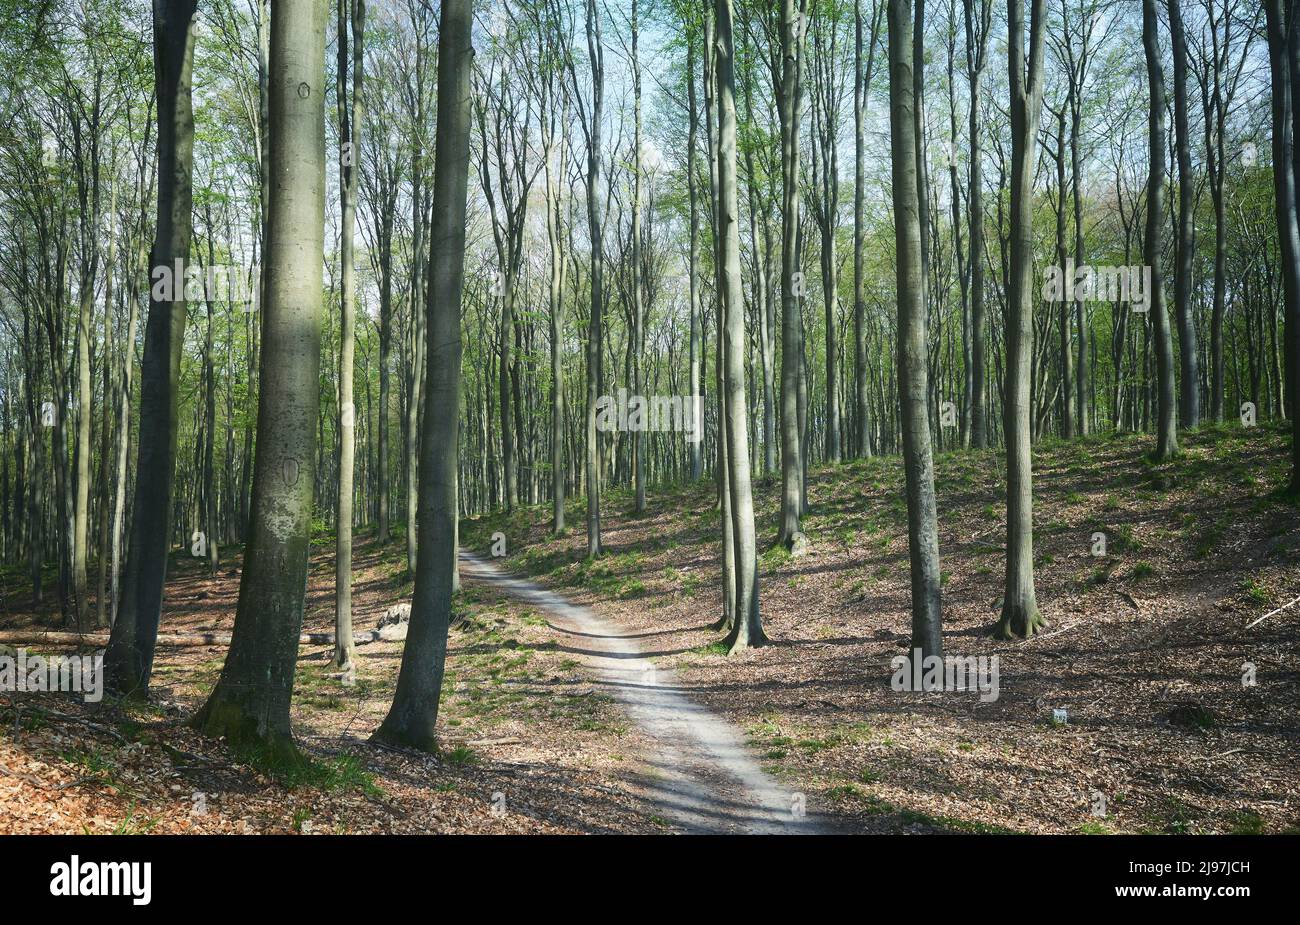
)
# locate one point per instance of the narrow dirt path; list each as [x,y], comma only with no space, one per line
[704,777]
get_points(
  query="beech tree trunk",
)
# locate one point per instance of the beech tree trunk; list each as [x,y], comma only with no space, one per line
[747,626]
[413,716]
[349,142]
[913,369]
[1166,412]
[1020,616]
[250,704]
[1189,356]
[128,660]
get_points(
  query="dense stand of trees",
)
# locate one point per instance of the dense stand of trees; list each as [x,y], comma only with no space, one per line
[540,250]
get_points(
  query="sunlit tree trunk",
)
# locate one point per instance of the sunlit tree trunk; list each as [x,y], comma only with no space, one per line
[747,627]
[250,704]
[787,80]
[913,371]
[1020,616]
[1189,356]
[413,716]
[350,118]
[1166,413]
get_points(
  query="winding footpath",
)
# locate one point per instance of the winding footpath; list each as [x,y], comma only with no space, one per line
[704,777]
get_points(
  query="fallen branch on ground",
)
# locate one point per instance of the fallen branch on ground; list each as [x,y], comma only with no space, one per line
[99,640]
[1272,612]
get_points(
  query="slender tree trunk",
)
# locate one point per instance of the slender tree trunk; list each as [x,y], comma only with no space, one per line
[747,627]
[1189,355]
[85,410]
[861,84]
[126,374]
[1020,616]
[595,344]
[349,143]
[913,370]
[637,333]
[211,534]
[555,166]
[1166,427]
[106,410]
[128,660]
[412,718]
[789,74]
[697,346]
[977,38]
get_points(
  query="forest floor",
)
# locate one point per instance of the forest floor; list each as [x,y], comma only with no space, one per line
[1147,650]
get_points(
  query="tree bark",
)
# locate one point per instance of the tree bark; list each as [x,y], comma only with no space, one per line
[412,718]
[349,142]
[747,627]
[1190,384]
[978,21]
[1166,426]
[788,91]
[1020,616]
[128,660]
[250,704]
[913,368]
[1284,68]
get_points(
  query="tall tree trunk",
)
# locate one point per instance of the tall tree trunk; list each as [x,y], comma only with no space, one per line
[128,660]
[913,369]
[250,704]
[412,718]
[1068,428]
[789,93]
[977,39]
[556,161]
[211,534]
[1284,67]
[106,410]
[1020,616]
[349,143]
[1189,355]
[85,410]
[638,307]
[595,344]
[747,627]
[126,374]
[697,345]
[1166,426]
[861,84]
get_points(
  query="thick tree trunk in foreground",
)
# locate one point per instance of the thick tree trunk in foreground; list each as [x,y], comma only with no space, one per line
[128,661]
[913,372]
[1284,66]
[250,704]
[413,716]
[1020,616]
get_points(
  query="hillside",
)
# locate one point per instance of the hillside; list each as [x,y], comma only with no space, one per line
[1145,650]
